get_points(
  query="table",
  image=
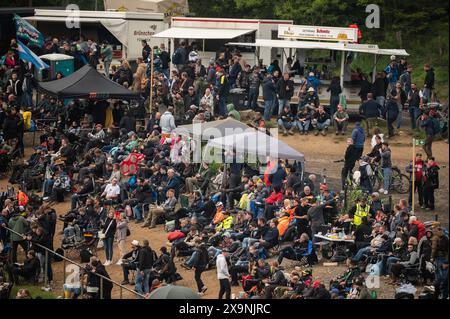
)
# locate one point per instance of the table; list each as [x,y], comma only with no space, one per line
[333,244]
[335,240]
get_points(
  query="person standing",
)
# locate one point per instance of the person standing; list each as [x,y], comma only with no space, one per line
[121,235]
[405,79]
[21,226]
[386,165]
[392,114]
[223,275]
[351,156]
[429,82]
[269,95]
[359,139]
[401,98]
[223,89]
[167,121]
[285,91]
[419,169]
[380,88]
[335,90]
[144,268]
[165,60]
[255,80]
[146,50]
[429,125]
[109,231]
[414,105]
[431,183]
[106,53]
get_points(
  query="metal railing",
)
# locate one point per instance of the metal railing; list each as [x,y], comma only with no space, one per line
[80,266]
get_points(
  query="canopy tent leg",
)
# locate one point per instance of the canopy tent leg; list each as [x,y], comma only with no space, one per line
[342,67]
[374,71]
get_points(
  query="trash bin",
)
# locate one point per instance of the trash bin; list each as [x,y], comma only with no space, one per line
[237,97]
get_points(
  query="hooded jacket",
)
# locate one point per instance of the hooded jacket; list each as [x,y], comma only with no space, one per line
[233,113]
[358,137]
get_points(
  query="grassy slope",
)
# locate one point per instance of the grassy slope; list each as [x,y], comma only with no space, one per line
[35,291]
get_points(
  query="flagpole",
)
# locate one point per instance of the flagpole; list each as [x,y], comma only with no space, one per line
[413,174]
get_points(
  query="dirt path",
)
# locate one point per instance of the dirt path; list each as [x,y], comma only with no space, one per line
[320,152]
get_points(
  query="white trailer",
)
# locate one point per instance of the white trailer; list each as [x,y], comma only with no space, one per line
[127,29]
[211,34]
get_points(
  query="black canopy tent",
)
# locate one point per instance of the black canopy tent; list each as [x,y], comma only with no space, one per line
[86,83]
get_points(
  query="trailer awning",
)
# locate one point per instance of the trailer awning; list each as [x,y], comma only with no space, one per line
[202,33]
[350,47]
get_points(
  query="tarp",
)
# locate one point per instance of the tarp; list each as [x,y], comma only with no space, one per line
[173,292]
[312,45]
[257,144]
[201,33]
[86,83]
[169,7]
[215,129]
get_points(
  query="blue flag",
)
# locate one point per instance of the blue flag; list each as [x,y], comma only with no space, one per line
[27,55]
[24,30]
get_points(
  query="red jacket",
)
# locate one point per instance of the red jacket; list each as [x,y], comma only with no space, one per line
[420,227]
[420,165]
[274,198]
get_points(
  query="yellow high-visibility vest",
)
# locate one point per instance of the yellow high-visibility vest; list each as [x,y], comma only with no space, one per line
[360,213]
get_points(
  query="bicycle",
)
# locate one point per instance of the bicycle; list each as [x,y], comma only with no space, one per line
[399,181]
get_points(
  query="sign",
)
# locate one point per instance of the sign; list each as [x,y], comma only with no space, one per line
[420,142]
[303,32]
[24,30]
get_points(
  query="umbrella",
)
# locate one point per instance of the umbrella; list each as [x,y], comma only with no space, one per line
[174,292]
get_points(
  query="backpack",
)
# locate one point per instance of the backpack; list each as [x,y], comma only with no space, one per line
[176,57]
[85,255]
[436,126]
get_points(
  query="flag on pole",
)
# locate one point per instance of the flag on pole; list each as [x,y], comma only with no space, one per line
[27,55]
[25,31]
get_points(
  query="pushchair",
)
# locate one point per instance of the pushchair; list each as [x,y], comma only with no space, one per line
[75,240]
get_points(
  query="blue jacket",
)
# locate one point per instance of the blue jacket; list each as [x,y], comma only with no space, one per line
[314,82]
[358,137]
[392,74]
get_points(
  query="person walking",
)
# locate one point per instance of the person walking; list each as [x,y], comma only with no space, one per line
[431,183]
[121,235]
[414,105]
[429,125]
[200,266]
[144,268]
[223,275]
[392,114]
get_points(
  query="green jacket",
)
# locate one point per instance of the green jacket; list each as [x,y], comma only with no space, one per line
[106,52]
[19,224]
[233,113]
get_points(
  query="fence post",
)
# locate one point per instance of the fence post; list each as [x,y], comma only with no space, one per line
[101,287]
[46,268]
[64,271]
[121,291]
[81,284]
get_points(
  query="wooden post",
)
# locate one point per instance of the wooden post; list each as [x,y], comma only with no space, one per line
[151,80]
[413,165]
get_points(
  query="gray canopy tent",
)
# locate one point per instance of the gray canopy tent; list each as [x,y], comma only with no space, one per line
[257,144]
[215,129]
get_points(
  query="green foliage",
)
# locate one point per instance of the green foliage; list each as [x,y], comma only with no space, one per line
[35,291]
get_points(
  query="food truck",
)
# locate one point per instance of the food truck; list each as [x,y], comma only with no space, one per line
[211,35]
[123,30]
[328,52]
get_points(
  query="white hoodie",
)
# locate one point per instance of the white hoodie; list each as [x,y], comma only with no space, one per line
[222,267]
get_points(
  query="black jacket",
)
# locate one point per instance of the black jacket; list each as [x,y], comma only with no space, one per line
[269,90]
[282,91]
[429,79]
[370,109]
[145,258]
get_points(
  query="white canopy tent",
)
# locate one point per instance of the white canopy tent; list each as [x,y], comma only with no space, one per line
[315,45]
[256,145]
[202,33]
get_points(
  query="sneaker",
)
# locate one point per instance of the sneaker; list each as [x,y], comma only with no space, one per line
[301,132]
[119,263]
[204,289]
[107,263]
[316,133]
[337,132]
[386,193]
[125,282]
[324,132]
[381,191]
[342,133]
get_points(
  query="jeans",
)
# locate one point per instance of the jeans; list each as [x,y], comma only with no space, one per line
[387,173]
[166,72]
[361,253]
[248,241]
[106,65]
[142,281]
[399,117]
[287,125]
[222,106]
[198,278]
[334,102]
[441,281]
[341,126]
[268,109]
[288,253]
[414,113]
[137,212]
[427,146]
[281,104]
[48,184]
[427,94]
[253,99]
[322,126]
[303,126]
[389,262]
[193,259]
[109,241]
[126,269]
[74,200]
[214,252]
[380,100]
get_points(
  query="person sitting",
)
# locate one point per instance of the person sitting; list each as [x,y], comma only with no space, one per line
[286,121]
[344,282]
[321,121]
[155,212]
[379,239]
[411,259]
[130,261]
[303,121]
[86,189]
[270,236]
[302,250]
[341,120]
[112,192]
[277,279]
[29,270]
